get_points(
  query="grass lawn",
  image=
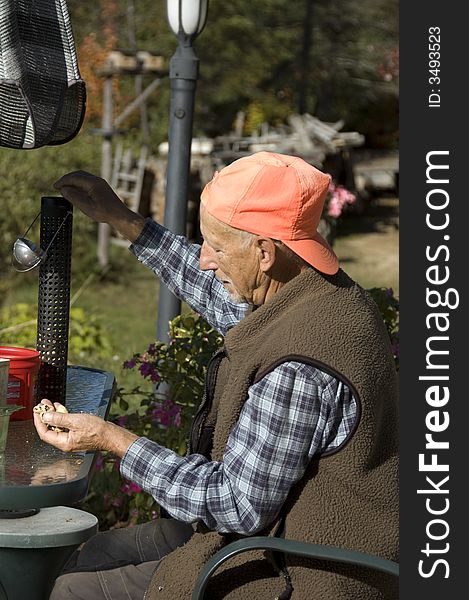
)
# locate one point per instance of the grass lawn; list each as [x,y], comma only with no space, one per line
[127,309]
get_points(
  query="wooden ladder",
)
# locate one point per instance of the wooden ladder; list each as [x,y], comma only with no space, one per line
[128,174]
[127,182]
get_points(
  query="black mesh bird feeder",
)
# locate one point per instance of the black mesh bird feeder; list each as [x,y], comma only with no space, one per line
[54,297]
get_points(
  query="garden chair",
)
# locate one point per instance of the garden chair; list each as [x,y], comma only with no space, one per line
[304,549]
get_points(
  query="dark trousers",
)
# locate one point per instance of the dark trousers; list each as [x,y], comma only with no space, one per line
[119,564]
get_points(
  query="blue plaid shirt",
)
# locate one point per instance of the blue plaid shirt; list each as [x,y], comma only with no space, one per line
[292,414]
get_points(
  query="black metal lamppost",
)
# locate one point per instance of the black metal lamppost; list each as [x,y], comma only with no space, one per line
[187,19]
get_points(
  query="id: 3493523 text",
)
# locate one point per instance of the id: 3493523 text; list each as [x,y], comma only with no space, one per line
[434,55]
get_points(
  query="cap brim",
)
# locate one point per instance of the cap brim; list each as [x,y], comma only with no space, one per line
[317,252]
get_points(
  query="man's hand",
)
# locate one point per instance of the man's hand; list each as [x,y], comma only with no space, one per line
[93,196]
[85,432]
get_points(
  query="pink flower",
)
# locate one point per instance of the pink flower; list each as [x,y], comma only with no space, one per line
[334,209]
[145,369]
[129,488]
[166,413]
[121,421]
[99,463]
[154,377]
[339,198]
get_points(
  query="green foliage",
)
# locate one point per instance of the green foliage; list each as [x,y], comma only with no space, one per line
[257,52]
[87,336]
[181,363]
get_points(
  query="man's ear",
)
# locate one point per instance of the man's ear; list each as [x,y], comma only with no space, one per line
[267,252]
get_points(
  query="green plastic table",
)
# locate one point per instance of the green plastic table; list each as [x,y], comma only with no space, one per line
[39,484]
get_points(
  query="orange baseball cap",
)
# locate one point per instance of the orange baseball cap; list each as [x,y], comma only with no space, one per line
[274,195]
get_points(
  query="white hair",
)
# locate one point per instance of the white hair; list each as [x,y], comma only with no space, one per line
[246,239]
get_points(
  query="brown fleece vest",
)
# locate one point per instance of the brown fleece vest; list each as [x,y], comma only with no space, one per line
[347,498]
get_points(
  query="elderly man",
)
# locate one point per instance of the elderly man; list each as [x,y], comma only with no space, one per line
[297,434]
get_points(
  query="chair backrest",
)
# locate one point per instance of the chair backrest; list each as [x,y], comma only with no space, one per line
[294,547]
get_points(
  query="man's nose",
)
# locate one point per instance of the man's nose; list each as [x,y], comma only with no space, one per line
[207,259]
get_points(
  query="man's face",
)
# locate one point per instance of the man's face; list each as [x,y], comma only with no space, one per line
[234,263]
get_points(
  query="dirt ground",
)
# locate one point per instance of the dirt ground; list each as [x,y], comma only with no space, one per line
[368,245]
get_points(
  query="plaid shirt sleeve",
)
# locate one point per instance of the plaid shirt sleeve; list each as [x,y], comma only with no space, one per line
[292,414]
[176,263]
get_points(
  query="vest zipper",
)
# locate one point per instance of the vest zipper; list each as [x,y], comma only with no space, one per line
[206,403]
[288,591]
[279,560]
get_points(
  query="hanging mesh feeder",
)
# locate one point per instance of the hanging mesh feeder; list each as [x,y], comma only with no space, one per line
[42,97]
[53,308]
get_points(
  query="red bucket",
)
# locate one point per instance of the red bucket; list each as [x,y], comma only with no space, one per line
[22,379]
